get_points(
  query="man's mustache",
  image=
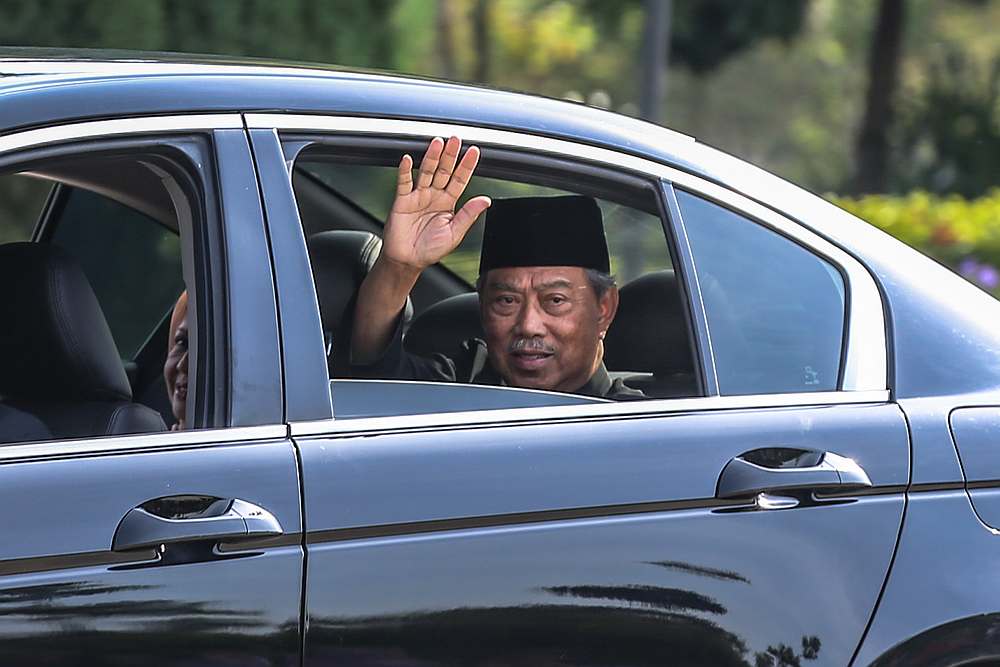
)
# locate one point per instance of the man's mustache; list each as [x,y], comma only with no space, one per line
[530,345]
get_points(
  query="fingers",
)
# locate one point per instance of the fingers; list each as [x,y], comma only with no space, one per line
[447,165]
[430,162]
[404,183]
[469,213]
[460,179]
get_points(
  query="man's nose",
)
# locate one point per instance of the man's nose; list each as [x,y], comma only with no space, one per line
[530,321]
[182,363]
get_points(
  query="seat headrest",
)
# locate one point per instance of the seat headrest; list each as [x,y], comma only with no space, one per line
[340,261]
[54,342]
[445,326]
[649,333]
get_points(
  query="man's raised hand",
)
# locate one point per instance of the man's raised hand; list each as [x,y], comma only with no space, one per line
[423,226]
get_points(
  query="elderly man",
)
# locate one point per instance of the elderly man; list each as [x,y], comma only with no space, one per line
[545,291]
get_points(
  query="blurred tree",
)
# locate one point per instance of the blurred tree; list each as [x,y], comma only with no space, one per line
[949,138]
[781,83]
[884,58]
[706,33]
[655,58]
[446,38]
[360,33]
[483,39]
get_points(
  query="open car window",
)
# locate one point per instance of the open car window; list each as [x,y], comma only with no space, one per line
[647,347]
[91,293]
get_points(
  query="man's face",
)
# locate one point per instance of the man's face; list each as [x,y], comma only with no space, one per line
[545,325]
[175,370]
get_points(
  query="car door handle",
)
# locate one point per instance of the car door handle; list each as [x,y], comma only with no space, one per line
[781,469]
[227,519]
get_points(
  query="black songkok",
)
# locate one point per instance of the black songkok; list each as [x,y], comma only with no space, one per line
[544,231]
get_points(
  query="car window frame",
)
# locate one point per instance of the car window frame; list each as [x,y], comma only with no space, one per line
[865,368]
[209,267]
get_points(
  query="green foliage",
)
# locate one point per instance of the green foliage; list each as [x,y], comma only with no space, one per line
[21,201]
[777,82]
[359,33]
[706,33]
[961,233]
[950,134]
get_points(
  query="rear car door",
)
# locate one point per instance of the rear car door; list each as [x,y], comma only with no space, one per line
[127,546]
[752,524]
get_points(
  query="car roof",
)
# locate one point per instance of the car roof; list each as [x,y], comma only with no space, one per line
[47,86]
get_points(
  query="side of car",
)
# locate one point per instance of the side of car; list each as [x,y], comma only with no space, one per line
[482,535]
[821,427]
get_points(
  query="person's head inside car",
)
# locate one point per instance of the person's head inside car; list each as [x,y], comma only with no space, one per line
[546,294]
[175,368]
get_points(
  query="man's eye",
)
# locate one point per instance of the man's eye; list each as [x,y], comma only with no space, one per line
[557,299]
[505,300]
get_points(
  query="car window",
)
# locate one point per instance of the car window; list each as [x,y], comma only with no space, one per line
[65,374]
[775,310]
[646,348]
[132,261]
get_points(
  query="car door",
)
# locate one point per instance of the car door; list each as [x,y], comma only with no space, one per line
[172,547]
[752,524]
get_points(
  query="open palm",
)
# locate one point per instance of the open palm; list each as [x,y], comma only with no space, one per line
[423,226]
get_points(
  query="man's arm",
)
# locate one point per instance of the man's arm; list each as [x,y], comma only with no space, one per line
[421,230]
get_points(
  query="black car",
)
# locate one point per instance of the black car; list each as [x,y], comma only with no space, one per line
[812,480]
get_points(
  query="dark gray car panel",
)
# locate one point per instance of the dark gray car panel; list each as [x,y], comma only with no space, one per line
[514,469]
[609,524]
[255,383]
[303,356]
[64,594]
[944,574]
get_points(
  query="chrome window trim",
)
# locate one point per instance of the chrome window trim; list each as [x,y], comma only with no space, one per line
[125,444]
[866,359]
[583,412]
[118,127]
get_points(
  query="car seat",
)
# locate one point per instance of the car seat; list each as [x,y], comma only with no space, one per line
[58,360]
[443,327]
[340,261]
[647,344]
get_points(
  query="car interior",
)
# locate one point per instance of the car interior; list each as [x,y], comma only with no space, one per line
[97,269]
[93,280]
[344,191]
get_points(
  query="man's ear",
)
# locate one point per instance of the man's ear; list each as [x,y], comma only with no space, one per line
[607,307]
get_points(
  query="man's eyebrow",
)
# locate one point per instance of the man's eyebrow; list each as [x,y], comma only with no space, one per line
[509,287]
[558,282]
[504,287]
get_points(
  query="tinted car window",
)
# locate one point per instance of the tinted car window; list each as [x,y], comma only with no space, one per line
[133,263]
[775,310]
